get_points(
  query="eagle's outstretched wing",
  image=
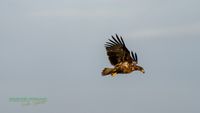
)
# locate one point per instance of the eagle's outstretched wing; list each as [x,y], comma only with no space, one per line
[117,51]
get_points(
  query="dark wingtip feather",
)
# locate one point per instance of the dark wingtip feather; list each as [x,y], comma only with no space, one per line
[122,41]
[136,58]
[106,45]
[112,41]
[132,55]
[115,40]
[109,43]
[119,40]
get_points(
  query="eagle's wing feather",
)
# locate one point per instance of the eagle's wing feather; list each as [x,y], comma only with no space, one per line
[134,56]
[117,51]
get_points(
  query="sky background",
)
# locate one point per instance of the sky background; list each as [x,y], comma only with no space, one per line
[55,49]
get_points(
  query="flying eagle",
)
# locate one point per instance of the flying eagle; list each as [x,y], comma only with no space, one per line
[120,57]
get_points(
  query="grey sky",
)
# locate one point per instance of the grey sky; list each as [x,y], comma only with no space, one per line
[55,49]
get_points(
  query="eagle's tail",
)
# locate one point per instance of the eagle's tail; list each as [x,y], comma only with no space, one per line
[107,71]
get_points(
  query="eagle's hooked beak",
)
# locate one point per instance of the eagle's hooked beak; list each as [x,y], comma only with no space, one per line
[142,71]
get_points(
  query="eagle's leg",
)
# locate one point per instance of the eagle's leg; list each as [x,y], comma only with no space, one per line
[114,71]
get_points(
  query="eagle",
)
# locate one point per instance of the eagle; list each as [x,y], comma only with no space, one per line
[120,57]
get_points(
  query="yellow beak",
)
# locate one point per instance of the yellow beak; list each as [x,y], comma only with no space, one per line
[143,71]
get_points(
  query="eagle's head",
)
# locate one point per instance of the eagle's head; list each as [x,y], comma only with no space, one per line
[138,68]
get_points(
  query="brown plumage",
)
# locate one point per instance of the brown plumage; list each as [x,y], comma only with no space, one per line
[120,57]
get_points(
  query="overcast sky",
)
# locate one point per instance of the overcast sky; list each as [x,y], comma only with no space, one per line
[55,50]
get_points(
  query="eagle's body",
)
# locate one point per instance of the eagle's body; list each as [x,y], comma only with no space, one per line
[120,58]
